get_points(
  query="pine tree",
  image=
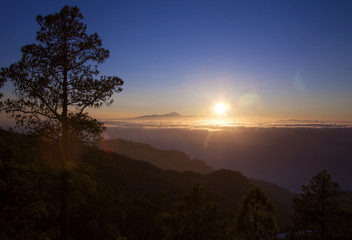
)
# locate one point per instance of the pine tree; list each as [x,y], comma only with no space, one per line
[254,219]
[317,212]
[195,217]
[54,84]
[2,81]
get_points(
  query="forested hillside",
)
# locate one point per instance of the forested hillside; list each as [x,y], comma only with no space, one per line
[109,194]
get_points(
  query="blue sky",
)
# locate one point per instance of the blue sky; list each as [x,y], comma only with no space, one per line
[267,59]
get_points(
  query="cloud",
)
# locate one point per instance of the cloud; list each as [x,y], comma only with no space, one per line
[197,123]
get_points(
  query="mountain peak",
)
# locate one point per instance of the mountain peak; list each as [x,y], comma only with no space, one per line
[167,115]
[172,114]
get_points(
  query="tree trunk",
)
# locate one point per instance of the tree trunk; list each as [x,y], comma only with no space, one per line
[64,142]
[256,223]
[63,209]
[323,208]
[64,185]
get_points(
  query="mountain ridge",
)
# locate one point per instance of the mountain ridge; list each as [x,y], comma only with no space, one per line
[141,178]
[165,159]
[228,186]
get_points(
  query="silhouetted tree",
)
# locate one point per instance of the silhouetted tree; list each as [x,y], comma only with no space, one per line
[26,211]
[317,212]
[30,202]
[254,219]
[95,208]
[54,84]
[195,217]
[2,81]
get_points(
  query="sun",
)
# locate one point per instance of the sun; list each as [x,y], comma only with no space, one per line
[221,108]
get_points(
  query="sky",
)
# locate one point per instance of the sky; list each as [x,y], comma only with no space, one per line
[264,59]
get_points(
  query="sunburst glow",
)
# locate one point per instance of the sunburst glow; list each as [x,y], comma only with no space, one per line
[221,108]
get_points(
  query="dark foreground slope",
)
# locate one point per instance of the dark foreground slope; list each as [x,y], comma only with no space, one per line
[109,194]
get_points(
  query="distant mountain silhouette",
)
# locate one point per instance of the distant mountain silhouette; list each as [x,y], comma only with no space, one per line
[288,157]
[168,115]
[165,159]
